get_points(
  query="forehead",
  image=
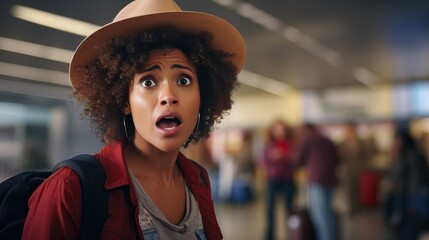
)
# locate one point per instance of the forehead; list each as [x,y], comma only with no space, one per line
[173,55]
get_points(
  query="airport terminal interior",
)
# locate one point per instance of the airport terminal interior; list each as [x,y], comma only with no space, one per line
[334,64]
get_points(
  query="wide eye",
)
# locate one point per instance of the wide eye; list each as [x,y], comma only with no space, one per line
[184,80]
[147,83]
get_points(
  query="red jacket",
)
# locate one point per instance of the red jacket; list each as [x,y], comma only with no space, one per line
[55,207]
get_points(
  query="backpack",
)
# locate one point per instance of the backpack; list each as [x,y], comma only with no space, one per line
[15,192]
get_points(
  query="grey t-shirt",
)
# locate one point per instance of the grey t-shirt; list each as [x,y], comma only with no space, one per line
[155,225]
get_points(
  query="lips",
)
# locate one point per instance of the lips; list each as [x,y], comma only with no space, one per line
[169,123]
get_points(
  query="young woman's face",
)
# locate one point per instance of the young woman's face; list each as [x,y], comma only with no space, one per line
[164,101]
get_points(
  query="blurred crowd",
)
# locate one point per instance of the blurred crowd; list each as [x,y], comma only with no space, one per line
[307,167]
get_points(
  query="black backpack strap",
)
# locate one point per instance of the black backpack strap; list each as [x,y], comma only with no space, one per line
[94,197]
[204,181]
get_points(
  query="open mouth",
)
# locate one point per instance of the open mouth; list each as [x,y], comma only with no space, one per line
[168,122]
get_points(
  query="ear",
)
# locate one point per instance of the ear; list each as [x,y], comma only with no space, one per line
[126,109]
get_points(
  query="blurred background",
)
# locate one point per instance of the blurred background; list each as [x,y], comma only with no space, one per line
[331,63]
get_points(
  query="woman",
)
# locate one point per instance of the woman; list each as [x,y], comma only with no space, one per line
[277,160]
[152,81]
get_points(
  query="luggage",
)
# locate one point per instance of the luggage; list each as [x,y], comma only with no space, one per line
[241,191]
[369,182]
[300,226]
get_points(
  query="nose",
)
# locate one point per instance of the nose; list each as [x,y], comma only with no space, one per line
[169,101]
[168,96]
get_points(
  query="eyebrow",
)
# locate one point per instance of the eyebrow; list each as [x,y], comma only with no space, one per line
[182,67]
[156,67]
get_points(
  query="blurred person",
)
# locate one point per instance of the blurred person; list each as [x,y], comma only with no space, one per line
[355,157]
[409,202]
[227,173]
[423,143]
[152,81]
[320,157]
[280,169]
[242,188]
[244,156]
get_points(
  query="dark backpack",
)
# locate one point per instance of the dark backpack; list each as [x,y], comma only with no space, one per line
[15,192]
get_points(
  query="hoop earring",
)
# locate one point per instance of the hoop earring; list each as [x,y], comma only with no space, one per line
[125,128]
[193,132]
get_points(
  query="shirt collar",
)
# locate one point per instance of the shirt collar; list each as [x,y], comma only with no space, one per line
[112,158]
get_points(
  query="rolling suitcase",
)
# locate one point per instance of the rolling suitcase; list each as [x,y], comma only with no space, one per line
[300,225]
[299,222]
[241,191]
[368,188]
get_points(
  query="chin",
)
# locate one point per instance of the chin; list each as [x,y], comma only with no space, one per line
[169,149]
[169,146]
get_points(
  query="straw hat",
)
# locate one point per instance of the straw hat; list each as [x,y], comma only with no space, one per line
[141,15]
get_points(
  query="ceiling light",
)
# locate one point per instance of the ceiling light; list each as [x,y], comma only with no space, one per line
[53,20]
[263,83]
[317,49]
[365,76]
[268,22]
[333,58]
[308,43]
[258,16]
[224,2]
[292,34]
[247,10]
[36,74]
[35,50]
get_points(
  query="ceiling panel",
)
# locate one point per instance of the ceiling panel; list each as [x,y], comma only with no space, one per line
[386,39]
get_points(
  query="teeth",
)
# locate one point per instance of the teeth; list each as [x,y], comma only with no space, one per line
[170,128]
[169,117]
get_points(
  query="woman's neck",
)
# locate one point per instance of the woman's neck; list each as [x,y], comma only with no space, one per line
[151,162]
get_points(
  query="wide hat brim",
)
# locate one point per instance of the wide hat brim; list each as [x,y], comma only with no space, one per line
[225,36]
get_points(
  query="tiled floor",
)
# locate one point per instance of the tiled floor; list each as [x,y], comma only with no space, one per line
[243,222]
[247,222]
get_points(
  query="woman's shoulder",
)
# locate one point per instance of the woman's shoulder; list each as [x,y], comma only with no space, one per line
[56,204]
[64,175]
[63,182]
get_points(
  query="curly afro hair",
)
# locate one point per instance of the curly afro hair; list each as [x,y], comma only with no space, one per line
[104,85]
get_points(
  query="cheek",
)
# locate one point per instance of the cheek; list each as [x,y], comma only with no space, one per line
[196,101]
[141,111]
[193,106]
[195,98]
